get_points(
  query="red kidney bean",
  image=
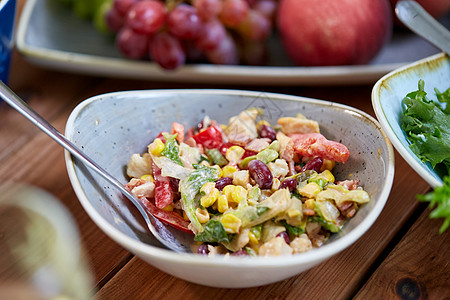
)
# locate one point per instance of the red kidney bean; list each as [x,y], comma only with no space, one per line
[285,236]
[260,172]
[314,164]
[241,252]
[199,126]
[266,131]
[289,183]
[222,182]
[203,249]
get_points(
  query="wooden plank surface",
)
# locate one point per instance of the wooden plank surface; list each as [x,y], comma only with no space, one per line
[417,268]
[401,251]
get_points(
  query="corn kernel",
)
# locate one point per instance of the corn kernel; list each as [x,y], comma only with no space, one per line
[222,203]
[228,171]
[168,207]
[227,191]
[202,215]
[327,175]
[252,238]
[207,188]
[310,190]
[223,127]
[327,165]
[234,153]
[209,199]
[156,147]
[148,177]
[231,223]
[239,195]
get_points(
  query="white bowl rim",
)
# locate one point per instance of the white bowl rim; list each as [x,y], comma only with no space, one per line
[161,254]
[408,156]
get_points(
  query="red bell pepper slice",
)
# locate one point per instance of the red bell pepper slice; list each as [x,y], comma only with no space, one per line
[210,138]
[169,217]
[163,188]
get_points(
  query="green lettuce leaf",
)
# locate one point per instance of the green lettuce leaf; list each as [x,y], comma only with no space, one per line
[189,188]
[214,232]
[439,200]
[171,149]
[427,126]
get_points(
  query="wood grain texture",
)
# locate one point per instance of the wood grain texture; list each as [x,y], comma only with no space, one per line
[417,268]
[407,254]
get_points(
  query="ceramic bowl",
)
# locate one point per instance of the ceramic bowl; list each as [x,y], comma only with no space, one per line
[387,96]
[110,128]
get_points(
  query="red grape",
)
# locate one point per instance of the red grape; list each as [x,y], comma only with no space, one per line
[234,12]
[122,6]
[267,8]
[255,27]
[212,33]
[146,17]
[114,20]
[167,51]
[251,2]
[208,9]
[171,32]
[225,53]
[184,22]
[131,44]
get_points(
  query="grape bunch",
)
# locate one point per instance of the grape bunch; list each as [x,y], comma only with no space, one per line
[172,32]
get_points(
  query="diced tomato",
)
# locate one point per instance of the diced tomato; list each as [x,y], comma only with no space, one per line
[163,189]
[210,138]
[190,133]
[179,130]
[315,144]
[169,217]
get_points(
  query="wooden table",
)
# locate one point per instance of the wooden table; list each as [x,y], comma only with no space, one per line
[402,256]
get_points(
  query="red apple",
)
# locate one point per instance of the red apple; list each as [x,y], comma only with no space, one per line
[436,8]
[333,32]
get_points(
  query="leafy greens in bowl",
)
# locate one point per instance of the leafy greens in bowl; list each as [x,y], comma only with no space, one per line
[387,100]
[413,107]
[427,126]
